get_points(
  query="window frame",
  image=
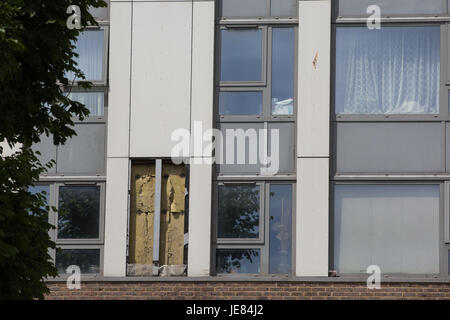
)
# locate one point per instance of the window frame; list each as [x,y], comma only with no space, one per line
[98,243]
[96,89]
[264,243]
[101,231]
[265,86]
[105,46]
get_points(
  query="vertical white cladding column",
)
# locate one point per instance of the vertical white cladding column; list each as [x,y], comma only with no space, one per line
[201,120]
[161,75]
[116,212]
[313,138]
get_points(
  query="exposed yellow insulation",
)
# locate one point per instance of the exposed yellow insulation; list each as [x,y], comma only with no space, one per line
[142,214]
[172,215]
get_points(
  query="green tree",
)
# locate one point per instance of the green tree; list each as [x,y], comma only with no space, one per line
[36,52]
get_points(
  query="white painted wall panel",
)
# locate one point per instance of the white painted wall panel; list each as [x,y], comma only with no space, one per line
[314,78]
[119,80]
[116,217]
[202,71]
[161,74]
[312,217]
[199,256]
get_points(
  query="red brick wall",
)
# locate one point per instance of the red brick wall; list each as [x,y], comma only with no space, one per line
[247,290]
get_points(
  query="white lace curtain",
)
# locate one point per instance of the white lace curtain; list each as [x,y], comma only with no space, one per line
[394,70]
[89,47]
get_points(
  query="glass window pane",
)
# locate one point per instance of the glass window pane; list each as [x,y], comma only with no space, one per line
[88,260]
[44,190]
[392,7]
[394,70]
[244,8]
[395,227]
[283,51]
[238,261]
[94,102]
[240,103]
[280,247]
[283,8]
[239,212]
[79,212]
[241,55]
[89,47]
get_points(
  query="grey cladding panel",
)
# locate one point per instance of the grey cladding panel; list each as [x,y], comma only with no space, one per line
[389,147]
[47,150]
[392,7]
[84,153]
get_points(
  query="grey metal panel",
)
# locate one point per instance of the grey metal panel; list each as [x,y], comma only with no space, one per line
[84,153]
[236,168]
[389,147]
[47,150]
[393,226]
[390,7]
[286,146]
[283,8]
[244,8]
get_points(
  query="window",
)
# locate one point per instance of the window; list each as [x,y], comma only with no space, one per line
[79,212]
[93,101]
[394,226]
[283,71]
[394,70]
[91,55]
[255,105]
[79,223]
[240,102]
[254,228]
[88,260]
[245,64]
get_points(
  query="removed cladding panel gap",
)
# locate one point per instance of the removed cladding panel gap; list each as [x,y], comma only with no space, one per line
[157,216]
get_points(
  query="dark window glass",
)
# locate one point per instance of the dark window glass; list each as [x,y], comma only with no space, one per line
[239,212]
[240,103]
[394,70]
[280,224]
[79,212]
[237,261]
[88,260]
[283,41]
[241,55]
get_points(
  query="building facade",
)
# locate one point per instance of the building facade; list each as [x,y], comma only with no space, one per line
[170,182]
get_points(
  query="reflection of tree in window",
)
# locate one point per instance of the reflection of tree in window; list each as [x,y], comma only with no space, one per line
[87,259]
[238,212]
[78,212]
[238,261]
